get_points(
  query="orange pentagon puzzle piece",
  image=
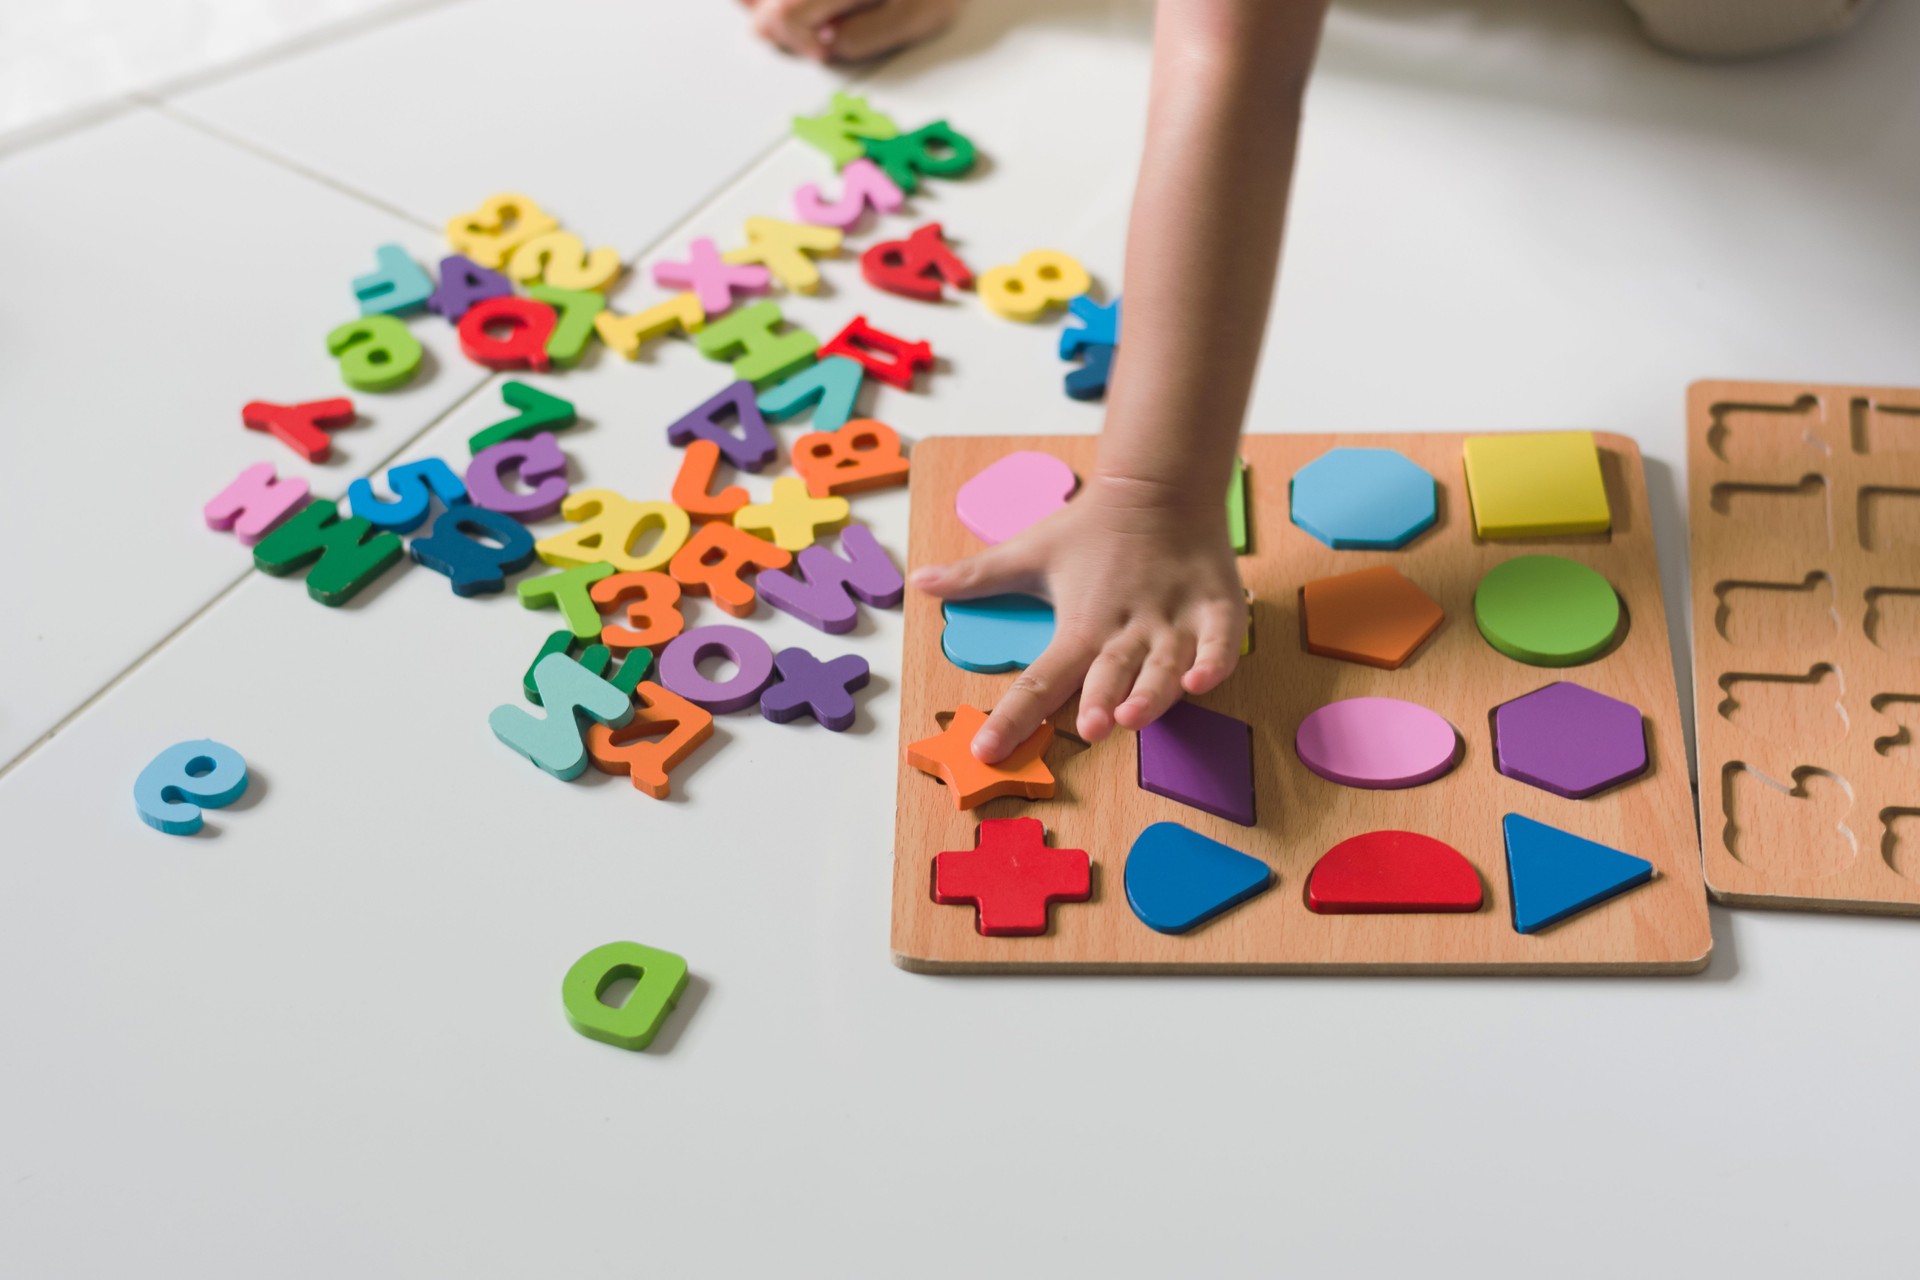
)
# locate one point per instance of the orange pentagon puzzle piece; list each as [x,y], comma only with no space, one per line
[1376,617]
[948,756]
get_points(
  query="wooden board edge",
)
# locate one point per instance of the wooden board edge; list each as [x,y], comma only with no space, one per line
[1634,969]
[1628,451]
[1819,906]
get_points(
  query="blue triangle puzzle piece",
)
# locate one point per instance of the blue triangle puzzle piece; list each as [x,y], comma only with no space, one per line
[1555,874]
[1178,879]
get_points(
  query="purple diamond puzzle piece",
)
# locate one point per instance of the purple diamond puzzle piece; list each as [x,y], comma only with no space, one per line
[1201,758]
[809,686]
[750,450]
[1569,740]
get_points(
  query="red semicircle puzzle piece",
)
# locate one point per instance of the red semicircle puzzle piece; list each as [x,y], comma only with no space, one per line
[1392,872]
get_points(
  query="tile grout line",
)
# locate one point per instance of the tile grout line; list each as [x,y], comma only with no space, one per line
[746,170]
[185,120]
[64,124]
[320,37]
[99,111]
[125,673]
[104,108]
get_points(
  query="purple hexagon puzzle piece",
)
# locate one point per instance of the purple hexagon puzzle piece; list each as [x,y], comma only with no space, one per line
[751,656]
[808,686]
[822,595]
[751,449]
[1200,758]
[1569,740]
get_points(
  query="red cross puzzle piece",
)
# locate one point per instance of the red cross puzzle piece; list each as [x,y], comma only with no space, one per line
[1011,875]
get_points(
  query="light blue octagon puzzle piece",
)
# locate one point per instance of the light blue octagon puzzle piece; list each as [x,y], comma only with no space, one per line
[1555,874]
[1178,879]
[997,633]
[1364,499]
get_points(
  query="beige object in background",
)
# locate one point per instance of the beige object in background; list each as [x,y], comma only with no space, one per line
[1741,28]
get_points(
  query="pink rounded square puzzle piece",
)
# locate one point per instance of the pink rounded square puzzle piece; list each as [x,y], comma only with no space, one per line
[1018,490]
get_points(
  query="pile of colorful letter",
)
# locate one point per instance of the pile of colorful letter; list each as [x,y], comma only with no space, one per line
[525,294]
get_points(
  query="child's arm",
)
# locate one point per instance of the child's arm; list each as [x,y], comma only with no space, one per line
[1139,566]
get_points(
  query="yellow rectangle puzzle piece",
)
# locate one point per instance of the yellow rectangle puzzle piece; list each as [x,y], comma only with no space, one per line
[1536,486]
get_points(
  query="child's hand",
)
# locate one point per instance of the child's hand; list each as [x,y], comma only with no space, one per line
[1146,599]
[848,30]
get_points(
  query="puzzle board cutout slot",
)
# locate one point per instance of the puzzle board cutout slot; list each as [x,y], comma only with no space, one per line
[1802,708]
[1881,428]
[1900,727]
[1765,615]
[1744,434]
[1800,513]
[1890,521]
[1893,620]
[1900,841]
[1798,828]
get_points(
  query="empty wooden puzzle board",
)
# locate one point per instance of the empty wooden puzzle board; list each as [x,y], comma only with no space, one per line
[1805,502]
[1660,927]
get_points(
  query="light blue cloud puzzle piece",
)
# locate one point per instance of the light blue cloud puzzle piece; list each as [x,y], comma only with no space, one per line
[998,633]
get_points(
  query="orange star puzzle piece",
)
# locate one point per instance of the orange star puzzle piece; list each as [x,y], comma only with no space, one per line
[948,757]
[1011,876]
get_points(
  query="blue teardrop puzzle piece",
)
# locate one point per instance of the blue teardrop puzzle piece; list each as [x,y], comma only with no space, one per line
[1554,874]
[1178,879]
[998,633]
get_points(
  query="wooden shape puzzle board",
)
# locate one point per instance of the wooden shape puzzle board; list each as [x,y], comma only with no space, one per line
[1661,927]
[1805,504]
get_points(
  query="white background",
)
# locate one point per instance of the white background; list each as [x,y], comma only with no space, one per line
[325,1038]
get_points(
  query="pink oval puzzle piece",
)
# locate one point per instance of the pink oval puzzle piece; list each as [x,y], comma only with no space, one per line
[1377,743]
[1014,492]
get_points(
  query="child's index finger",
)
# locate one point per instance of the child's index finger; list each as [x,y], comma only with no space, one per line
[1035,694]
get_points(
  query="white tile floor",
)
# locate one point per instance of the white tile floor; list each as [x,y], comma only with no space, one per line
[62,61]
[324,1039]
[161,279]
[618,129]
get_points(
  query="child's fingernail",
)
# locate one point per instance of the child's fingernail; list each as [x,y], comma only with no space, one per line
[986,743]
[924,577]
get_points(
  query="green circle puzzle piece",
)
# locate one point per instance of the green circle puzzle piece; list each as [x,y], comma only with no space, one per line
[659,978]
[1546,610]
